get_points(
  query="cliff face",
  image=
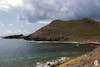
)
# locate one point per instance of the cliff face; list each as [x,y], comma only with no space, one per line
[58,30]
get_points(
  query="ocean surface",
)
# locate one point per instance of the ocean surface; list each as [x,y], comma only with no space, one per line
[22,53]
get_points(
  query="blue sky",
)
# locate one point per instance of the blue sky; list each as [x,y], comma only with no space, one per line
[27,16]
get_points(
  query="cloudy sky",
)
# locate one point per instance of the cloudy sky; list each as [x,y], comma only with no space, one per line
[26,16]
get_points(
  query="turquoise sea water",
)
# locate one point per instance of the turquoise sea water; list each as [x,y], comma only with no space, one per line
[22,53]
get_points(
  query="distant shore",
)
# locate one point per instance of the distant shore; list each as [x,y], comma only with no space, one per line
[20,36]
[90,42]
[76,42]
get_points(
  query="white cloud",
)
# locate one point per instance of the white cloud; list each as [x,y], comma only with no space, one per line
[8,4]
[36,10]
[44,21]
[13,3]
[3,6]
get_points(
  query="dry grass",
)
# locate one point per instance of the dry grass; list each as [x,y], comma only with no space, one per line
[86,60]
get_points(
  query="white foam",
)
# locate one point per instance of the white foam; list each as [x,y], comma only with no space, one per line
[51,63]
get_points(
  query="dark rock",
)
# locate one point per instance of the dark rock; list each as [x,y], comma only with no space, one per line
[14,36]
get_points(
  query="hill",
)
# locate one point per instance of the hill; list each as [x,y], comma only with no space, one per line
[85,29]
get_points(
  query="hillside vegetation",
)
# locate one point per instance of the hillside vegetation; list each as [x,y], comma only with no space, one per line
[71,30]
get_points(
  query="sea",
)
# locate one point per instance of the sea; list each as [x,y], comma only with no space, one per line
[23,53]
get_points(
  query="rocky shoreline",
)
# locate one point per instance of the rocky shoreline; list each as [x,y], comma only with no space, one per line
[81,61]
[61,62]
[52,63]
[91,59]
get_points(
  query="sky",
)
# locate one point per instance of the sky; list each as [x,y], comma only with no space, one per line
[27,16]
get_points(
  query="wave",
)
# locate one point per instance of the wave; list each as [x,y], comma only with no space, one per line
[52,63]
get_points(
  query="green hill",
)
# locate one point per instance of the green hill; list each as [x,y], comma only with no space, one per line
[71,30]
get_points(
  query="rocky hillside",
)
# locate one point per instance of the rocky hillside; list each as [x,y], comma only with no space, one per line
[72,30]
[88,60]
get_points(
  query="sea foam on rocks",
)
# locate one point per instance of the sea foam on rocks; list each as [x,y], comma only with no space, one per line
[52,63]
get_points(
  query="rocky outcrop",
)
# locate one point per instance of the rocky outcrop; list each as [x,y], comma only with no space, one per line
[14,36]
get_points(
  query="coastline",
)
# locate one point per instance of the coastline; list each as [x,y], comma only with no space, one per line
[80,42]
[65,60]
[80,59]
[85,60]
[92,43]
[70,62]
[90,59]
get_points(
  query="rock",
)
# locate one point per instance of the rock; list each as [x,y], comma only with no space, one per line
[14,36]
[96,63]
